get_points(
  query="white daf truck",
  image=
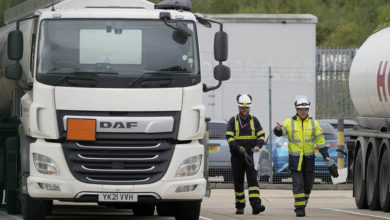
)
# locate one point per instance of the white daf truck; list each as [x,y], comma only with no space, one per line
[101,101]
[369,84]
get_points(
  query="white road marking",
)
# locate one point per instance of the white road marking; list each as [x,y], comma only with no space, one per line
[19,218]
[11,216]
[204,218]
[355,213]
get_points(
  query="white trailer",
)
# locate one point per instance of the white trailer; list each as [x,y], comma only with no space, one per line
[370,93]
[101,101]
[286,43]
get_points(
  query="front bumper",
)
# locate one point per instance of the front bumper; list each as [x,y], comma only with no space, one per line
[72,189]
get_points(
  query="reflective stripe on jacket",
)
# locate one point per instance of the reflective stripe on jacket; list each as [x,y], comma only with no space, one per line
[302,135]
[248,136]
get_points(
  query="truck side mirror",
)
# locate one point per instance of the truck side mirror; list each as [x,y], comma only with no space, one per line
[221,72]
[13,71]
[182,33]
[15,45]
[221,46]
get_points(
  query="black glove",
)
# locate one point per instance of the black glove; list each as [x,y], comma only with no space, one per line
[247,158]
[333,169]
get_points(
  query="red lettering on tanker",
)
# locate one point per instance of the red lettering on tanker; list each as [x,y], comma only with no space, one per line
[381,81]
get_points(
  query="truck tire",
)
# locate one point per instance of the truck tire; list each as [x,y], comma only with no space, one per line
[1,197]
[49,207]
[188,210]
[372,182]
[166,209]
[384,196]
[359,187]
[144,210]
[34,209]
[12,175]
[13,203]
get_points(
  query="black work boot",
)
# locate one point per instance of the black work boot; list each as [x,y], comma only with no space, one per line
[257,209]
[239,211]
[300,212]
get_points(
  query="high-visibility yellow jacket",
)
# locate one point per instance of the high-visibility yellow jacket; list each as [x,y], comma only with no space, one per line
[247,133]
[302,136]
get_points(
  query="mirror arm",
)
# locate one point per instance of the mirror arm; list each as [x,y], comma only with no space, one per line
[207,89]
[212,21]
[24,19]
[26,88]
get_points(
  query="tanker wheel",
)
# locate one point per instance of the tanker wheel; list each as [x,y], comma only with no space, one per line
[359,188]
[384,196]
[372,184]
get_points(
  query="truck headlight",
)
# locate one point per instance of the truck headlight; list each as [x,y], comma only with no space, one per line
[190,166]
[45,165]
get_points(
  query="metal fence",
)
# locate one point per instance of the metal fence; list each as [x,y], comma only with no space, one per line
[332,83]
[332,101]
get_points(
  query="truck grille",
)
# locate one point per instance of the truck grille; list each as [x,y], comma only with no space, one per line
[118,162]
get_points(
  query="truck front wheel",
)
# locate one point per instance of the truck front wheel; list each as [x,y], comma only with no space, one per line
[384,195]
[12,164]
[144,210]
[359,187]
[1,197]
[34,209]
[188,210]
[12,200]
[166,209]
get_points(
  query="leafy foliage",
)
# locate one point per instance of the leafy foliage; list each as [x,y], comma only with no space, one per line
[340,23]
[5,4]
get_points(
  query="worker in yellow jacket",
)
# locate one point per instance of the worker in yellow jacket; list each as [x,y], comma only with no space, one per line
[303,133]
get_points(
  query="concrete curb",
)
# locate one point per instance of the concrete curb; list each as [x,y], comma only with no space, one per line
[286,186]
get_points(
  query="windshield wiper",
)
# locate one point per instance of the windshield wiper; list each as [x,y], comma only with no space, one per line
[80,77]
[167,75]
[139,77]
[77,80]
[66,71]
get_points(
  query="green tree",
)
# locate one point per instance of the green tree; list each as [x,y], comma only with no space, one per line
[340,23]
[4,5]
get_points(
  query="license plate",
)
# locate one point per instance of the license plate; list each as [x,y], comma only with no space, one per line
[118,197]
[316,151]
[213,148]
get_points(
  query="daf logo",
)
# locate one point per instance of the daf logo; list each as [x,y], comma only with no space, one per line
[147,125]
[118,124]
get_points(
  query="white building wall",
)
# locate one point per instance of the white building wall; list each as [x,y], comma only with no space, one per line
[286,43]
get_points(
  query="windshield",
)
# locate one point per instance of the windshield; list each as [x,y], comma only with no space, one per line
[122,52]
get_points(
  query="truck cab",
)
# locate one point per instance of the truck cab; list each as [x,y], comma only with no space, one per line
[110,107]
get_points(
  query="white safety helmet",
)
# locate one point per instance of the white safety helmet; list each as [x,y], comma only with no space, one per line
[302,102]
[244,100]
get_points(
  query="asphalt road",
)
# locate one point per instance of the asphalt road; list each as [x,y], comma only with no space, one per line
[323,204]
